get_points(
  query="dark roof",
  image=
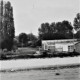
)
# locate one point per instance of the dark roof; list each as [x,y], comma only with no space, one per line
[77,43]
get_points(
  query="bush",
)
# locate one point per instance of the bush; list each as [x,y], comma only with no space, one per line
[7,44]
[2,57]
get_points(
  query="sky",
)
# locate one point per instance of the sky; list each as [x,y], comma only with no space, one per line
[30,14]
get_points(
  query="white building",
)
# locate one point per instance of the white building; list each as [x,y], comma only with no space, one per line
[66,45]
[77,47]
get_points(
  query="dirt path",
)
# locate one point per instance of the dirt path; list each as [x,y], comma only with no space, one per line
[37,63]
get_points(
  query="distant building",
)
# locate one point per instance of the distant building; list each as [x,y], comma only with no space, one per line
[66,45]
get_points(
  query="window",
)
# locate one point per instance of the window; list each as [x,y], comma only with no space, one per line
[45,47]
[70,48]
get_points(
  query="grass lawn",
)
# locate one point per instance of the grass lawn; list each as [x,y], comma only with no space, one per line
[28,52]
[20,53]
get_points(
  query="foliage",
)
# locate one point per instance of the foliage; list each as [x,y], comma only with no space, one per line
[32,40]
[32,37]
[7,43]
[8,29]
[77,25]
[59,30]
[77,22]
[1,16]
[23,38]
[77,35]
[64,26]
[38,42]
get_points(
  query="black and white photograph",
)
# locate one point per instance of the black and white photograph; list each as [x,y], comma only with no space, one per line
[39,39]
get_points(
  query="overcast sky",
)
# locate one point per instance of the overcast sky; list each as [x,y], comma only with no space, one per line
[29,14]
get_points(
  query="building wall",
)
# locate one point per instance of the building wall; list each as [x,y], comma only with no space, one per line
[59,45]
[77,47]
[66,47]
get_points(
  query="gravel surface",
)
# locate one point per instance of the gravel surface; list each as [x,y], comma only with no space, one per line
[37,63]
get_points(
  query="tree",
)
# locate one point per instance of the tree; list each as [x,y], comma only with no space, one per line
[77,25]
[77,22]
[53,27]
[9,21]
[77,35]
[59,30]
[46,30]
[32,37]
[23,38]
[64,28]
[1,24]
[8,29]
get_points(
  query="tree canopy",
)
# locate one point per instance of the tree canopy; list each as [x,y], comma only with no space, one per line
[32,37]
[77,22]
[23,38]
[59,30]
[77,25]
